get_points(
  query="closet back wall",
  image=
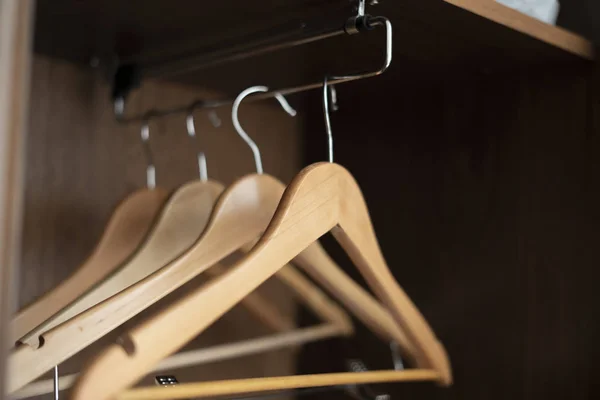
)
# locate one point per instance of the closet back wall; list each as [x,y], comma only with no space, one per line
[81,163]
[484,193]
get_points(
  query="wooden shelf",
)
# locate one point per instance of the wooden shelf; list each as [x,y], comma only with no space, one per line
[520,22]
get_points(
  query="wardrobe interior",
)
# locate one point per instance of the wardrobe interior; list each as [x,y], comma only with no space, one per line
[477,153]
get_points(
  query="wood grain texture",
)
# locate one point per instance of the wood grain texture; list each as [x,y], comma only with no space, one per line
[81,163]
[126,230]
[322,197]
[16,33]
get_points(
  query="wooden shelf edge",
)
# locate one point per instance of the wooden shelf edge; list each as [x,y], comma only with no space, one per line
[520,22]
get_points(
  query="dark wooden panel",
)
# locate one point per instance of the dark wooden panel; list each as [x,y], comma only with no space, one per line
[490,224]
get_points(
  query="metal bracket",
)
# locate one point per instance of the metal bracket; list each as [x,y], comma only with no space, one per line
[359,22]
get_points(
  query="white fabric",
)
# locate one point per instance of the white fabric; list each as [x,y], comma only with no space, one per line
[544,10]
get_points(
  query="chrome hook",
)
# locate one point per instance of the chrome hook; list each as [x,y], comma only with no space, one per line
[214,118]
[150,169]
[56,388]
[191,129]
[236,122]
[327,90]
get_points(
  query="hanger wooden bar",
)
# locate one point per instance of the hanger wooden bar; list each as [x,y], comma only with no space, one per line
[259,385]
[321,198]
[208,355]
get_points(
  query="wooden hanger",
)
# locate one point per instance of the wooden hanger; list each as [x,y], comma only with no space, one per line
[323,197]
[128,226]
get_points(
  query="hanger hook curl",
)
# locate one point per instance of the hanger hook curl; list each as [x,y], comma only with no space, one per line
[236,122]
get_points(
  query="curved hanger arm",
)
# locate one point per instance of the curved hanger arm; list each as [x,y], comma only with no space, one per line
[181,222]
[239,217]
[128,226]
[321,197]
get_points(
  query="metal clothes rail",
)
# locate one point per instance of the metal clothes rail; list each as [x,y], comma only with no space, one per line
[359,23]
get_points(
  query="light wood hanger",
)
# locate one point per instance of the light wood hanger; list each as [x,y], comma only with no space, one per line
[129,224]
[323,197]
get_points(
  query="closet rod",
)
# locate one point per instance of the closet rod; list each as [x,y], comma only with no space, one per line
[362,23]
[206,59]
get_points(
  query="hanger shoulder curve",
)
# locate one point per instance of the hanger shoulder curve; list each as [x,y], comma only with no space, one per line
[125,231]
[251,386]
[180,223]
[320,198]
[240,215]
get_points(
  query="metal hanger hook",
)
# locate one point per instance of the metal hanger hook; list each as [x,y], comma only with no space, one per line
[150,169]
[191,130]
[236,122]
[329,81]
[327,89]
[55,383]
